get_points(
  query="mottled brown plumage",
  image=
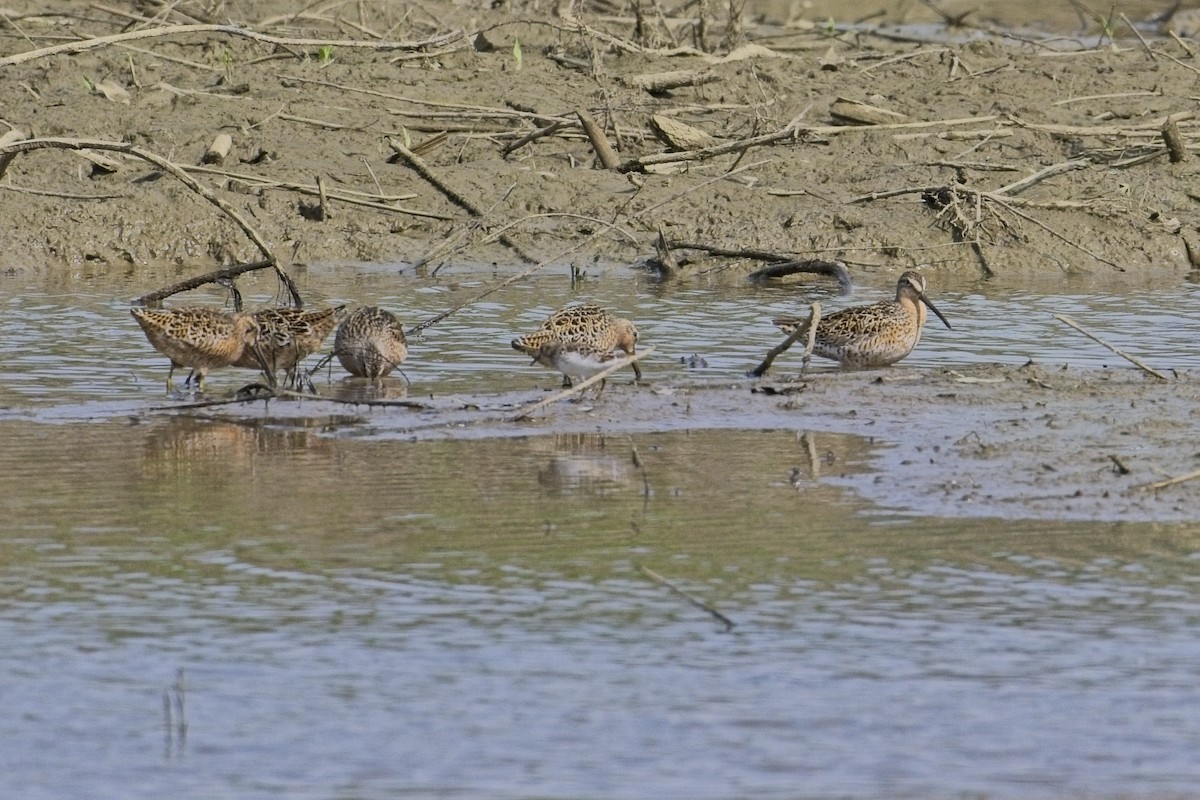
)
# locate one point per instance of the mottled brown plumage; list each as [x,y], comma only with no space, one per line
[370,343]
[288,336]
[587,325]
[198,338]
[876,335]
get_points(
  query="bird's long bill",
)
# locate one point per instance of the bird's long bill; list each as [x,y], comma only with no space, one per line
[933,308]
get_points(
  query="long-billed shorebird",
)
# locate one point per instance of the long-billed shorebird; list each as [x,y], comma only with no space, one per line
[586,327]
[288,336]
[198,338]
[370,343]
[875,335]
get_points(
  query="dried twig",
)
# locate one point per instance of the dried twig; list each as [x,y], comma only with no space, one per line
[600,143]
[226,274]
[231,30]
[620,363]
[1154,487]
[1131,359]
[726,621]
[807,329]
[835,269]
[418,164]
[1016,187]
[163,164]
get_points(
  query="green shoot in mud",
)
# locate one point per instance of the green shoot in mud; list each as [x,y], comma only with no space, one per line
[1107,27]
[517,54]
[325,55]
[227,62]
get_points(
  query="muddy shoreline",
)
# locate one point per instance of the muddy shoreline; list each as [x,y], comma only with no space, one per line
[1043,155]
[1040,158]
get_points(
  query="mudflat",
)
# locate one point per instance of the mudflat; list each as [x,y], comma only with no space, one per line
[1008,139]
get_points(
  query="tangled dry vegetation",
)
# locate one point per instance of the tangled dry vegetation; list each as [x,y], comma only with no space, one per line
[689,139]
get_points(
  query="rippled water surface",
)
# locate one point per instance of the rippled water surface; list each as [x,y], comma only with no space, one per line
[77,341]
[208,608]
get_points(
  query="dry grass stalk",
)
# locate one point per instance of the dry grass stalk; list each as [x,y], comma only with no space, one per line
[620,363]
[231,30]
[1131,359]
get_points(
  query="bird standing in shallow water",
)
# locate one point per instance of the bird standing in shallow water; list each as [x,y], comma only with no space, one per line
[288,336]
[876,335]
[370,343]
[198,338]
[586,327]
[578,361]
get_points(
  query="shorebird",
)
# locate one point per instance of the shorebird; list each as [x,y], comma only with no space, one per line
[370,343]
[198,338]
[578,361]
[288,336]
[587,326]
[875,335]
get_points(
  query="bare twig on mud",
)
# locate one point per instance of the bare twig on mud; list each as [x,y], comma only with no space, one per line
[789,133]
[807,329]
[1088,98]
[163,164]
[455,109]
[1154,487]
[378,201]
[596,135]
[418,164]
[230,30]
[1174,141]
[1131,359]
[724,620]
[1012,209]
[1138,34]
[11,187]
[533,136]
[1151,127]
[926,51]
[1016,187]
[621,363]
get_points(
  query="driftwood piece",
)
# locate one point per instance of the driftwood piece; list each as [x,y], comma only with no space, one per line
[835,269]
[218,150]
[679,135]
[659,82]
[858,113]
[1176,147]
[604,150]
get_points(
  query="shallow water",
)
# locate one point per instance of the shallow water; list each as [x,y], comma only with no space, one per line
[344,617]
[78,343]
